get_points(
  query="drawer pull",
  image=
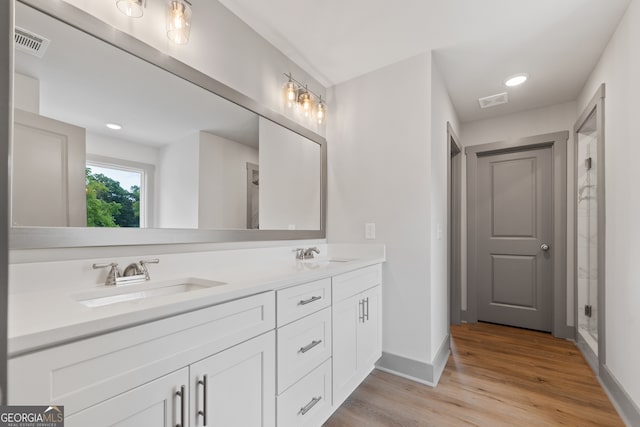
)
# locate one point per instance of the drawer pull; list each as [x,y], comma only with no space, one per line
[309,346]
[203,411]
[309,301]
[181,395]
[309,405]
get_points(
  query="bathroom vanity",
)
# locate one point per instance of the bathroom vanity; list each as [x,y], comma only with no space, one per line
[278,352]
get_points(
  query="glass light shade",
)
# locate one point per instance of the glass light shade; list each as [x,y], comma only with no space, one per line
[131,8]
[291,90]
[306,102]
[321,114]
[178,21]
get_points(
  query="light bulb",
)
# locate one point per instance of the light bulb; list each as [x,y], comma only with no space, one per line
[322,112]
[291,91]
[178,21]
[305,101]
[131,8]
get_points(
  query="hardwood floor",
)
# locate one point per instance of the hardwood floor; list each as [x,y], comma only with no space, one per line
[495,376]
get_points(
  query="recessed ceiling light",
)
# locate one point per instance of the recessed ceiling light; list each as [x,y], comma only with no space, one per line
[114,126]
[516,80]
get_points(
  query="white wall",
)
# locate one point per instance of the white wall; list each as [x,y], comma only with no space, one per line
[289,179]
[378,171]
[26,93]
[102,145]
[221,46]
[442,111]
[177,184]
[539,121]
[223,182]
[619,68]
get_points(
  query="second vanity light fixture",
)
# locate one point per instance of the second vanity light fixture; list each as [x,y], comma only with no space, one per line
[311,103]
[178,17]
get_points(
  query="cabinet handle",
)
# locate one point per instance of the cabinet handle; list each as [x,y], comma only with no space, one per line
[180,394]
[367,311]
[203,412]
[310,405]
[309,301]
[309,346]
[361,310]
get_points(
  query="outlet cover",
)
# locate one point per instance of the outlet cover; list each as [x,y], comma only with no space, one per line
[370,231]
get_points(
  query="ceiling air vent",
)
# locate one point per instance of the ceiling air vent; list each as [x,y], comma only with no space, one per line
[31,43]
[493,100]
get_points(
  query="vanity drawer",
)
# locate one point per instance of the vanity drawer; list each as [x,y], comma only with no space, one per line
[352,283]
[302,346]
[83,373]
[302,300]
[308,402]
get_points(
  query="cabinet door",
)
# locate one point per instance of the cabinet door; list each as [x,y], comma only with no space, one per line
[236,387]
[369,336]
[346,320]
[155,404]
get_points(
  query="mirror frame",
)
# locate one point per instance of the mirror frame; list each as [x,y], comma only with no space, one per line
[60,237]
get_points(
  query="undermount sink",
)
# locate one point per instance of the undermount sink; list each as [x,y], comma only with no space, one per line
[321,262]
[104,297]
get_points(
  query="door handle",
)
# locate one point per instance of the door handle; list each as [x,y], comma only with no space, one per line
[181,395]
[545,247]
[203,411]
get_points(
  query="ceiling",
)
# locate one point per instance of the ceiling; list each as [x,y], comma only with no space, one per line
[476,43]
[156,110]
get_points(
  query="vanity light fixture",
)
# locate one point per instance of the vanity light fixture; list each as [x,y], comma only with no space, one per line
[322,111]
[516,80]
[299,94]
[291,92]
[131,8]
[114,126]
[178,21]
[305,101]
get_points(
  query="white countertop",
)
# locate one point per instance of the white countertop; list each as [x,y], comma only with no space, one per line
[45,318]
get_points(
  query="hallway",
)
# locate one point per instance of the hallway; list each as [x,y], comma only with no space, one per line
[495,376]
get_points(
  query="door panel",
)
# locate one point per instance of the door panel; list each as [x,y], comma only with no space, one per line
[514,218]
[154,404]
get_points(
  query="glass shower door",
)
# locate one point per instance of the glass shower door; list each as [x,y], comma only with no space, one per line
[587,232]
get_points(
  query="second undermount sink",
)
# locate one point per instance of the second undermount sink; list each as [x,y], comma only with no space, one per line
[321,262]
[105,297]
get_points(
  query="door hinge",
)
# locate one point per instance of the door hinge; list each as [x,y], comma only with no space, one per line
[587,310]
[587,163]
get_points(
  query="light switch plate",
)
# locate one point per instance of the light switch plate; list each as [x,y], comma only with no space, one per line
[439,232]
[370,231]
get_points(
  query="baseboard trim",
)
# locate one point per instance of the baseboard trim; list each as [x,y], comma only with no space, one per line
[415,370]
[588,353]
[626,407]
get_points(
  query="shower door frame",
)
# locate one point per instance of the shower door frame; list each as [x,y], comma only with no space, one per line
[596,103]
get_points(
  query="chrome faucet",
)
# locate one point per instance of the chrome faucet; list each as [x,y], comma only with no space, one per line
[133,273]
[113,275]
[303,254]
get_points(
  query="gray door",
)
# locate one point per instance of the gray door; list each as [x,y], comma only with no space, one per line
[514,229]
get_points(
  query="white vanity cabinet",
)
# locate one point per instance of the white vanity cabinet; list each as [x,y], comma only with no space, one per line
[235,387]
[304,354]
[232,343]
[159,403]
[357,326]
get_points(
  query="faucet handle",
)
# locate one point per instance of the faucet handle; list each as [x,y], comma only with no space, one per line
[144,263]
[299,253]
[113,274]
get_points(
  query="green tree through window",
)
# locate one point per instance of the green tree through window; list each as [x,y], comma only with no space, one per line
[110,205]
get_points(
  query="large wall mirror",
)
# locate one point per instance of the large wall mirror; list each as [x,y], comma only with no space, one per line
[115,143]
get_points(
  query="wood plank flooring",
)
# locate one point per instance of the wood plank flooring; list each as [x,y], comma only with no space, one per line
[495,376]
